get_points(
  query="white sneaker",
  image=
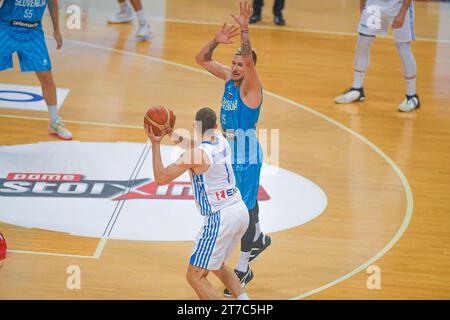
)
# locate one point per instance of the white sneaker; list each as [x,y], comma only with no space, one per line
[143,32]
[125,15]
[350,95]
[57,127]
[409,104]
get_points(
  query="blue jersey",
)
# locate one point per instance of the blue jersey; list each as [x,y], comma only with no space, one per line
[24,14]
[239,125]
[21,33]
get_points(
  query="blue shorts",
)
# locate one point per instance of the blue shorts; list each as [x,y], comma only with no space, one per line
[247,180]
[30,47]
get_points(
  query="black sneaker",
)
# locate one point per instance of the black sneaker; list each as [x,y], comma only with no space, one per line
[244,278]
[259,246]
[255,18]
[279,20]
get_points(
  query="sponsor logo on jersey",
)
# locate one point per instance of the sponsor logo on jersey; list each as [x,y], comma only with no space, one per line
[225,194]
[229,105]
[25,24]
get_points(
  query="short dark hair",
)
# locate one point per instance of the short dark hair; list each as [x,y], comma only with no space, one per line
[254,55]
[207,117]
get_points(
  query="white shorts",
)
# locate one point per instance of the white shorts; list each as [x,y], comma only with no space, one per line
[378,15]
[220,234]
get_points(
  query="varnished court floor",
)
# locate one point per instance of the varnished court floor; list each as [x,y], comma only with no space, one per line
[386,174]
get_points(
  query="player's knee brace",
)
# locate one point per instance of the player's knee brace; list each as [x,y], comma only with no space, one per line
[249,235]
[362,55]
[409,62]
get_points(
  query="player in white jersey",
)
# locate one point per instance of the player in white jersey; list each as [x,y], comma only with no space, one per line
[376,16]
[218,200]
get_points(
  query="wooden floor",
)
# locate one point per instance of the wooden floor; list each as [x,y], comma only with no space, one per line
[356,153]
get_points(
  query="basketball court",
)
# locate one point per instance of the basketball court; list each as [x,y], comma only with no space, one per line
[343,188]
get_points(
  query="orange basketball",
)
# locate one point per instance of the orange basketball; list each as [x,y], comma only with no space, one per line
[160,118]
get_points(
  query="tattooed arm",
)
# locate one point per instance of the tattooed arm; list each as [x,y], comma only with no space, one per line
[204,57]
[251,88]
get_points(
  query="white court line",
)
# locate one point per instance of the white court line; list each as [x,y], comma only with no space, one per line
[101,245]
[396,169]
[90,123]
[52,254]
[315,31]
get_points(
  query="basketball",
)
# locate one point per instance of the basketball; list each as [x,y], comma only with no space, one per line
[160,118]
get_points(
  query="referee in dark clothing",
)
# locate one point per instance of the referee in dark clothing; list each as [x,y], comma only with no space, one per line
[278,7]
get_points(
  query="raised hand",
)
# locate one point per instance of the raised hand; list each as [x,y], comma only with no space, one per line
[226,34]
[246,11]
[153,138]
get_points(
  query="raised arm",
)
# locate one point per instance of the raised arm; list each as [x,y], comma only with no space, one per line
[204,57]
[251,85]
[54,14]
[194,159]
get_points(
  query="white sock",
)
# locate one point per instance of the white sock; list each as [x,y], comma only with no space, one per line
[53,113]
[362,60]
[243,261]
[243,296]
[257,232]
[124,6]
[410,87]
[141,17]
[358,79]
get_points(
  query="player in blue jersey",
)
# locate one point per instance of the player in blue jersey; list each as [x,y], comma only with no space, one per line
[21,32]
[240,109]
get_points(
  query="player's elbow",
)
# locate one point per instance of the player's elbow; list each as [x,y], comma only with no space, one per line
[161,181]
[199,59]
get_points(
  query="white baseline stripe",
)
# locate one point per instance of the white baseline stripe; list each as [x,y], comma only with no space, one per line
[325,32]
[397,170]
[90,123]
[53,254]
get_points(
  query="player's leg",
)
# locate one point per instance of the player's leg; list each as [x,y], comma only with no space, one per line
[373,21]
[278,7]
[261,241]
[404,37]
[257,9]
[237,222]
[206,256]
[243,271]
[48,86]
[231,281]
[362,60]
[124,15]
[197,278]
[143,31]
[34,57]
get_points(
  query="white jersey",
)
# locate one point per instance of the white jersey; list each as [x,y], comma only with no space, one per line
[216,188]
[378,16]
